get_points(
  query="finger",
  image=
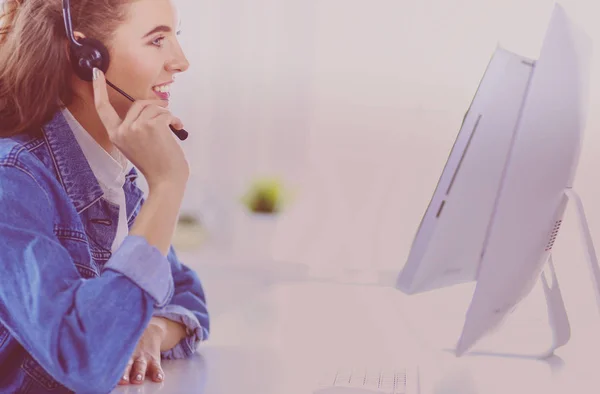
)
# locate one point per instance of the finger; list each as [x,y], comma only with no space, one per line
[107,113]
[155,371]
[138,371]
[150,112]
[168,119]
[136,110]
[127,373]
[155,119]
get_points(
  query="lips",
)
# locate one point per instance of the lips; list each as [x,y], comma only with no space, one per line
[163,91]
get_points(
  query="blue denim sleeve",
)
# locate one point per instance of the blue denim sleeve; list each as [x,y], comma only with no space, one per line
[155,278]
[82,332]
[187,307]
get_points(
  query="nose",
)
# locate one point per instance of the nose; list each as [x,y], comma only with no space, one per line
[179,62]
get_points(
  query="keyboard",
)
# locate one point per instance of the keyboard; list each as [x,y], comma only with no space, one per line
[383,381]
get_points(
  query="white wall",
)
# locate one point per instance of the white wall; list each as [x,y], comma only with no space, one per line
[245,99]
[359,99]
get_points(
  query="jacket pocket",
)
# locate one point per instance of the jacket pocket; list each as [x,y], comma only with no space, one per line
[38,374]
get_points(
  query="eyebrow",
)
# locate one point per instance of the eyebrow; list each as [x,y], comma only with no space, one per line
[161,28]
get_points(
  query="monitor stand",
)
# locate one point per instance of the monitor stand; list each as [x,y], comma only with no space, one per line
[557,313]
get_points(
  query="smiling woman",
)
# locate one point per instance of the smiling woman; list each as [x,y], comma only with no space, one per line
[92,292]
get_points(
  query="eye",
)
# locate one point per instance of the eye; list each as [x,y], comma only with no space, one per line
[158,41]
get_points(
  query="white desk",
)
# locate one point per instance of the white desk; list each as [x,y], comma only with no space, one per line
[279,334]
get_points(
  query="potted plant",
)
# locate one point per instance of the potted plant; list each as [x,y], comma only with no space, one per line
[265,196]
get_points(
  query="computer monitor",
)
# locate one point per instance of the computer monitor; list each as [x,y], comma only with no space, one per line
[499,203]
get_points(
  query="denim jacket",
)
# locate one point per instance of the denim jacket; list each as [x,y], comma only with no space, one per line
[72,312]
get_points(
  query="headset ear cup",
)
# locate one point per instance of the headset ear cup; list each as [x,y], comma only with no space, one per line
[92,53]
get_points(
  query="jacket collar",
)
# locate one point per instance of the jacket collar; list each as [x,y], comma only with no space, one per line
[74,172]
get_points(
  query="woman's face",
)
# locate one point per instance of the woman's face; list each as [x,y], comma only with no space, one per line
[145,54]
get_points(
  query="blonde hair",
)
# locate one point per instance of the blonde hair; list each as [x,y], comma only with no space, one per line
[35,68]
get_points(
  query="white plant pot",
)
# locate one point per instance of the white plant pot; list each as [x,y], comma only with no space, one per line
[255,234]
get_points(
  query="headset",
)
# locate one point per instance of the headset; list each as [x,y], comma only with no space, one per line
[89,53]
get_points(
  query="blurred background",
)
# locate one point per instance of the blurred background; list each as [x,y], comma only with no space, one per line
[352,107]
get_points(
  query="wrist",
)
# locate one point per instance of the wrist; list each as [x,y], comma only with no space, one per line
[170,186]
[159,326]
[173,331]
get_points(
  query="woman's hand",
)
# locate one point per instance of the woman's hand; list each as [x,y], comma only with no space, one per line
[144,136]
[145,360]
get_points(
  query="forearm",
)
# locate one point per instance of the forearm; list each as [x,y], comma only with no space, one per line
[158,216]
[69,324]
[72,333]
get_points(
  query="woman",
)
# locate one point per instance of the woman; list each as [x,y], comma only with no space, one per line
[91,292]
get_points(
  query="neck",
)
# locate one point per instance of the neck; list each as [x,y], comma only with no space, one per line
[84,110]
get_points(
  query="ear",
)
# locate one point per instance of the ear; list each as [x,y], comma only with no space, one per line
[78,35]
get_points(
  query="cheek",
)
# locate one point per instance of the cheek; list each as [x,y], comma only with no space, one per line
[135,72]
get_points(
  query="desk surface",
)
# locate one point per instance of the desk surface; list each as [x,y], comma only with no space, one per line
[273,335]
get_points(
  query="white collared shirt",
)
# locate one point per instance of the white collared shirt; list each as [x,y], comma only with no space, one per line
[109,169]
